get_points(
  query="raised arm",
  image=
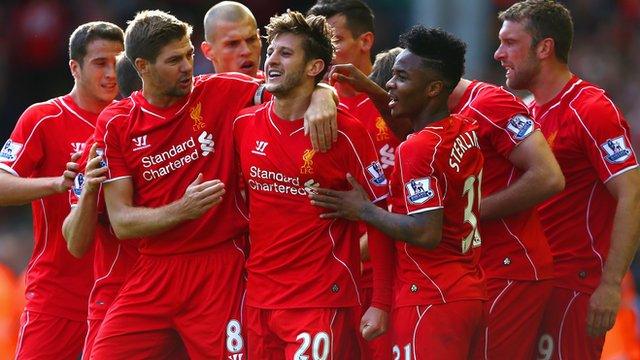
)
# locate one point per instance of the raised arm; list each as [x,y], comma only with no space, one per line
[320,119]
[625,236]
[129,221]
[79,226]
[541,179]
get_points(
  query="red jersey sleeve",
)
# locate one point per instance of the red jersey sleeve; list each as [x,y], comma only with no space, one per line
[363,163]
[508,116]
[605,135]
[108,135]
[416,171]
[24,150]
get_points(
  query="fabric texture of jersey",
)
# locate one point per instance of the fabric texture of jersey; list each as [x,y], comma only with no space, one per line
[591,141]
[440,167]
[514,247]
[113,258]
[45,137]
[164,149]
[297,259]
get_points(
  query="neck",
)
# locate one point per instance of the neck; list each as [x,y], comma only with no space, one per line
[87,102]
[364,64]
[456,94]
[294,104]
[156,98]
[549,82]
[433,112]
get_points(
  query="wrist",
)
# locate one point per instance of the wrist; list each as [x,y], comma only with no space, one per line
[611,281]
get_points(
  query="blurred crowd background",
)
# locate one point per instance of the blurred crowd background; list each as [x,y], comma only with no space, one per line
[34,67]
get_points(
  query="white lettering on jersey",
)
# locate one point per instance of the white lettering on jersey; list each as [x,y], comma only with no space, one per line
[419,190]
[10,151]
[463,142]
[206,143]
[616,150]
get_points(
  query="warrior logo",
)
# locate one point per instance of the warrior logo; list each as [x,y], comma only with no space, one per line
[307,158]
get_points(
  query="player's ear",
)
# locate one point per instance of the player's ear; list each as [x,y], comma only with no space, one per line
[435,88]
[315,67]
[75,68]
[366,41]
[142,65]
[205,47]
[545,48]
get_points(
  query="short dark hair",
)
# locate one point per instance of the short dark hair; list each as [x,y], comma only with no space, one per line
[358,15]
[317,35]
[127,76]
[150,31]
[383,66]
[439,51]
[84,34]
[544,19]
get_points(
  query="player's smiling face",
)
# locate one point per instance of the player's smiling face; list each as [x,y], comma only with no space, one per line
[517,55]
[286,67]
[408,85]
[236,46]
[172,73]
[96,76]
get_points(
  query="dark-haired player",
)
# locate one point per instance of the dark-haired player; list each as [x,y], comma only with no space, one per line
[592,225]
[172,183]
[440,288]
[303,289]
[31,161]
[127,76]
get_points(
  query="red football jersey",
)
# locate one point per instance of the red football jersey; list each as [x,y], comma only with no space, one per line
[440,167]
[113,258]
[363,109]
[514,247]
[45,137]
[298,259]
[591,141]
[164,149]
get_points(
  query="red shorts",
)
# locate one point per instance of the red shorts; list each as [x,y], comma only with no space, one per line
[380,347]
[197,296]
[318,334]
[563,333]
[514,313]
[44,336]
[444,331]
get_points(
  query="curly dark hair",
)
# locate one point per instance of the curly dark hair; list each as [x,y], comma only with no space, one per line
[439,51]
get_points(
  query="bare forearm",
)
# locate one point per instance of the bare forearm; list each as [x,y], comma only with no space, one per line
[17,191]
[80,225]
[624,239]
[133,222]
[399,227]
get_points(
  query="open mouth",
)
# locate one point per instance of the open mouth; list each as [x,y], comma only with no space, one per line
[273,74]
[393,101]
[247,65]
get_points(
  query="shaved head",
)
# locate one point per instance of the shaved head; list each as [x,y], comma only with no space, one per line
[232,40]
[226,11]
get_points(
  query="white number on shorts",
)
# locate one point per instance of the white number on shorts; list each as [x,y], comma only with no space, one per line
[407,352]
[469,216]
[545,347]
[235,343]
[320,346]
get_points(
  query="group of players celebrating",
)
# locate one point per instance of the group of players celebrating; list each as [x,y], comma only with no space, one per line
[256,214]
